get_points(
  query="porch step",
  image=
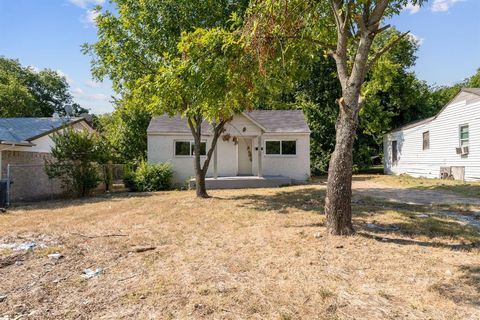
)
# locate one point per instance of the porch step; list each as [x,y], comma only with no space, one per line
[243,182]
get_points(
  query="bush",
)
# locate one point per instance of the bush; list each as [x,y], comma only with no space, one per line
[75,156]
[149,177]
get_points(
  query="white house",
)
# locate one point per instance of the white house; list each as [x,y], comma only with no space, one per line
[444,146]
[283,137]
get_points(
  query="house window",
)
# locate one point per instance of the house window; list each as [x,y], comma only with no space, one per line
[187,148]
[464,135]
[426,140]
[394,152]
[281,147]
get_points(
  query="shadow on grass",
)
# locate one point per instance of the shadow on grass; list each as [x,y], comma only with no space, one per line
[388,218]
[66,203]
[464,190]
[464,288]
[307,199]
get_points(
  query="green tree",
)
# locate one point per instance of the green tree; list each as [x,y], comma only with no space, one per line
[25,92]
[347,31]
[75,158]
[126,130]
[137,50]
[209,80]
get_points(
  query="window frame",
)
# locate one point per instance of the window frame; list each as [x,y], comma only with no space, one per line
[426,143]
[460,140]
[281,151]
[191,148]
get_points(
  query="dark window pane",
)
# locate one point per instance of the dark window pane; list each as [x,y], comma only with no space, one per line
[394,152]
[289,147]
[182,148]
[203,148]
[272,147]
[426,140]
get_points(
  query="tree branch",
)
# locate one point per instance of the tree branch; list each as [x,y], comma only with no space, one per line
[384,50]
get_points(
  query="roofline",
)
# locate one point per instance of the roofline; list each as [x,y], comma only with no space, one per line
[255,122]
[64,125]
[413,124]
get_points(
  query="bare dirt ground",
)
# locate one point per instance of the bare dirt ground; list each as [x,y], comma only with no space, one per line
[243,254]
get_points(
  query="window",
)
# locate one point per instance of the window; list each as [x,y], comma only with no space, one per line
[186,148]
[281,147]
[464,135]
[426,140]
[394,152]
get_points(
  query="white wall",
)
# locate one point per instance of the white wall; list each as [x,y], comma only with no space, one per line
[444,138]
[161,149]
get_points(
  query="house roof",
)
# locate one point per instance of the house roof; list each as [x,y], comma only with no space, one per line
[413,124]
[273,121]
[24,130]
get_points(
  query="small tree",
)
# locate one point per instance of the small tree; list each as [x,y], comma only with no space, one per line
[209,80]
[75,154]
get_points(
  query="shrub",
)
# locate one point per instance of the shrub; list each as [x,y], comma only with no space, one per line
[75,155]
[149,177]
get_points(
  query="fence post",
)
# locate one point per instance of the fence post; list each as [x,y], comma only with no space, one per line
[8,185]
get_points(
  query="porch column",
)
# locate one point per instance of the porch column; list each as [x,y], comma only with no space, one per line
[215,170]
[259,153]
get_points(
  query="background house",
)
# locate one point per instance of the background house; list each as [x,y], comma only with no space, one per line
[446,145]
[283,137]
[25,143]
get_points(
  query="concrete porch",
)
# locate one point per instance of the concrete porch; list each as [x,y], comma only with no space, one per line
[242,182]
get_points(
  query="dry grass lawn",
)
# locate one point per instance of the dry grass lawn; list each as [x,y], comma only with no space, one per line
[244,254]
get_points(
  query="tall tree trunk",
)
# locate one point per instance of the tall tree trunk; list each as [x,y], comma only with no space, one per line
[201,172]
[338,208]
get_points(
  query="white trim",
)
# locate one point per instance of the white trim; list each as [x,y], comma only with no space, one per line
[460,135]
[280,155]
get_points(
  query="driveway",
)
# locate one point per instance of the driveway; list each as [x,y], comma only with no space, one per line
[366,188]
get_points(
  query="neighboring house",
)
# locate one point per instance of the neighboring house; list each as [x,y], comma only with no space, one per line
[444,146]
[25,143]
[283,137]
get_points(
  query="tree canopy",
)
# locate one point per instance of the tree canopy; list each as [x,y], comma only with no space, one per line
[25,92]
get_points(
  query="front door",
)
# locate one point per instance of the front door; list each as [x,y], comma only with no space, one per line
[244,156]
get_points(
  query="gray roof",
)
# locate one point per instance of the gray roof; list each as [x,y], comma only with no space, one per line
[278,121]
[24,130]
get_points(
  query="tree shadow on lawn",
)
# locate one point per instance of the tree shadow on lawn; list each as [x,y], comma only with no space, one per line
[372,217]
[464,288]
[306,199]
[63,203]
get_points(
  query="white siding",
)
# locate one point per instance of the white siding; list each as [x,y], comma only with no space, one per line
[161,149]
[444,138]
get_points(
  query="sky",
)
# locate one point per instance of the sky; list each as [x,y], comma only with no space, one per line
[49,33]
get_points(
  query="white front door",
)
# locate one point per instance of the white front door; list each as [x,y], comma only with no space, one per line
[244,156]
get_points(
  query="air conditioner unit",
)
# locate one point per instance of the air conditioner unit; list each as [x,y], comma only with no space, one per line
[459,150]
[464,151]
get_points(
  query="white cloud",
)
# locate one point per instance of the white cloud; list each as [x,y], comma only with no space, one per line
[67,77]
[412,8]
[93,84]
[419,41]
[443,5]
[90,17]
[77,92]
[86,3]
